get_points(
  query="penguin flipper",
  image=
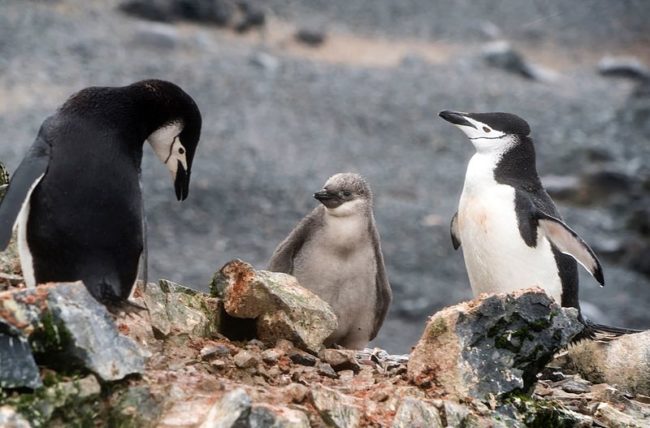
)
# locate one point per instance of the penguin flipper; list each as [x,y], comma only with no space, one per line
[29,173]
[384,295]
[455,234]
[568,242]
[284,255]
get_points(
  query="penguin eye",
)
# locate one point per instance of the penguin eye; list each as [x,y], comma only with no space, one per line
[486,129]
[181,150]
[347,194]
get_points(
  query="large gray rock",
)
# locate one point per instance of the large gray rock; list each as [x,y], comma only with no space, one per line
[623,362]
[281,307]
[491,346]
[65,326]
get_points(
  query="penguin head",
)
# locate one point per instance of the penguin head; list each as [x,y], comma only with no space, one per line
[176,133]
[345,194]
[489,132]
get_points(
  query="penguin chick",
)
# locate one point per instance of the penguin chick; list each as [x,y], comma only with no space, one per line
[512,234]
[335,252]
[76,197]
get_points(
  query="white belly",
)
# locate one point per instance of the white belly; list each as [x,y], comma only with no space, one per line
[26,259]
[497,258]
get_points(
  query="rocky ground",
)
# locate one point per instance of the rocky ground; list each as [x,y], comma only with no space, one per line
[485,363]
[281,115]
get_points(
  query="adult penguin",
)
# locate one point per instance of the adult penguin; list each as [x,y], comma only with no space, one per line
[76,196]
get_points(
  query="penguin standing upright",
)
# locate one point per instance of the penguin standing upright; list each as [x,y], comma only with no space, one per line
[511,232]
[335,252]
[76,196]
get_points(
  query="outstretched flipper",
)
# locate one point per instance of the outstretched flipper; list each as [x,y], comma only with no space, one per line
[455,233]
[568,242]
[284,255]
[27,176]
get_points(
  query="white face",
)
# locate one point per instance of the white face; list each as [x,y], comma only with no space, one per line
[167,145]
[484,138]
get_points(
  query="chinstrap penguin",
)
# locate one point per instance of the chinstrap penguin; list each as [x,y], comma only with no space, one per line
[335,252]
[76,196]
[511,232]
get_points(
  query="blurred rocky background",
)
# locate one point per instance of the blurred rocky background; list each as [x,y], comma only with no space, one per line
[295,91]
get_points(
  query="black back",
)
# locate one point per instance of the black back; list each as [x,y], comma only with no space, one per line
[85,219]
[517,169]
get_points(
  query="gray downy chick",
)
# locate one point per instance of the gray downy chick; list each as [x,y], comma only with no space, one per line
[335,252]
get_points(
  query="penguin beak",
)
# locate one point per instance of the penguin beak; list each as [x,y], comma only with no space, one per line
[330,200]
[456,118]
[181,182]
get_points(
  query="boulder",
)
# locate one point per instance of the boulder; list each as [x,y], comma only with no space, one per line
[175,309]
[493,345]
[281,307]
[65,327]
[623,362]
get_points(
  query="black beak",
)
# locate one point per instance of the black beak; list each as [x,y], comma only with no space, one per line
[324,196]
[182,182]
[456,118]
[330,200]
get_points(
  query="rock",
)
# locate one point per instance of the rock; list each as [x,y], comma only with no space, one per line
[326,370]
[297,392]
[340,359]
[135,407]
[623,361]
[265,61]
[157,36]
[335,408]
[310,37]
[265,416]
[17,366]
[302,358]
[245,359]
[211,351]
[251,16]
[232,410]
[575,386]
[501,54]
[491,346]
[455,413]
[615,418]
[9,418]
[67,327]
[175,309]
[271,356]
[281,307]
[623,66]
[218,12]
[414,413]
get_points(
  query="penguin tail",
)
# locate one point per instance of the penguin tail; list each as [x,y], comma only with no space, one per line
[603,333]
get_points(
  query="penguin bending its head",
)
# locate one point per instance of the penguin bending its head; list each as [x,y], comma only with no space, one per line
[335,252]
[512,234]
[76,196]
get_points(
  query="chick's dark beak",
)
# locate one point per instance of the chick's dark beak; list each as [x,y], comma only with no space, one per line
[182,182]
[456,118]
[330,200]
